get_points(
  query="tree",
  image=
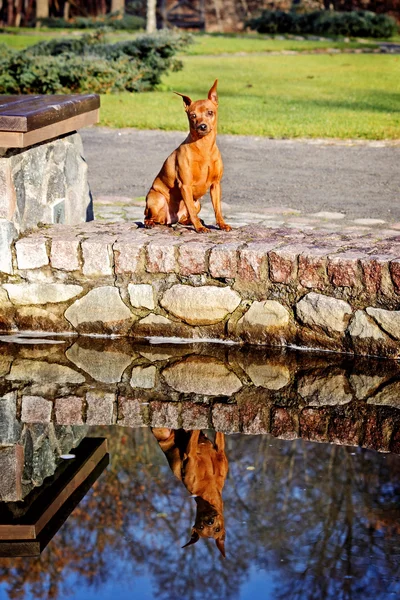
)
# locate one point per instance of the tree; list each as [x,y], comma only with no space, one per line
[151,16]
[118,6]
[42,10]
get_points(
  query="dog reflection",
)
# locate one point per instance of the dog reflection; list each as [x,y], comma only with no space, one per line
[202,467]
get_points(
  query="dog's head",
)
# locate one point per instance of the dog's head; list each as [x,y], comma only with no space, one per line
[202,114]
[209,523]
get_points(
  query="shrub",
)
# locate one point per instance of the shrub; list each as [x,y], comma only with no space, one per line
[110,21]
[87,63]
[360,23]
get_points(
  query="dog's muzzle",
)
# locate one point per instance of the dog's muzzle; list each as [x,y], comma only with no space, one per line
[202,127]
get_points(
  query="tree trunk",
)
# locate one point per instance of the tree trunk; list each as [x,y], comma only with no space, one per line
[42,9]
[118,6]
[151,16]
[10,13]
[66,11]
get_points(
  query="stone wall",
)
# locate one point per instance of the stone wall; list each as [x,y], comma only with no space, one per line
[30,452]
[321,397]
[277,287]
[45,183]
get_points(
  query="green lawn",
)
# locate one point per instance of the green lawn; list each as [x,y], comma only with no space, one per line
[250,43]
[315,95]
[333,96]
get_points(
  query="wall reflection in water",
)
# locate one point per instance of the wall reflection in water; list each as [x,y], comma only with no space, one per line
[303,521]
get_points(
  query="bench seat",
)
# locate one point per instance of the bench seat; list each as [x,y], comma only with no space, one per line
[29,120]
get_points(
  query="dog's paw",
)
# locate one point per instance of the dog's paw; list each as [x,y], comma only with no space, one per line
[224,227]
[149,223]
[202,229]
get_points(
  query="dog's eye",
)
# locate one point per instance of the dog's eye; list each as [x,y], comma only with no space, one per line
[210,112]
[217,529]
[193,116]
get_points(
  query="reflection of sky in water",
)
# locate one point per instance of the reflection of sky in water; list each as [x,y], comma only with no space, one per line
[310,522]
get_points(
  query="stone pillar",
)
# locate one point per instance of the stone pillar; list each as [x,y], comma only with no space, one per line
[45,183]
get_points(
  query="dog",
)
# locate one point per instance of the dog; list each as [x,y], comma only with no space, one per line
[190,171]
[202,467]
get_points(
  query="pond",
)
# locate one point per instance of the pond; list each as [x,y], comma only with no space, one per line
[285,462]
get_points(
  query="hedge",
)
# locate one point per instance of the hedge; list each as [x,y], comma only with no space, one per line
[89,64]
[110,21]
[360,23]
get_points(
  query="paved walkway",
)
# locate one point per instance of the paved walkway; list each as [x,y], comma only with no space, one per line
[301,184]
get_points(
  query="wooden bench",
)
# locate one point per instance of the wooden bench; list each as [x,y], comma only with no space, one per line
[29,120]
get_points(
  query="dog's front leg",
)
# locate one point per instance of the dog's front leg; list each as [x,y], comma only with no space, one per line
[187,196]
[215,193]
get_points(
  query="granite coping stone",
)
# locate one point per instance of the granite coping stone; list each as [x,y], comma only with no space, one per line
[150,272]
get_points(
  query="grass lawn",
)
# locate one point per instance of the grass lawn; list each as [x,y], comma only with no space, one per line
[204,43]
[331,96]
[315,95]
[249,43]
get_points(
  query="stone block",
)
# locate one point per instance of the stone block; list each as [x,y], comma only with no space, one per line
[223,261]
[26,294]
[10,428]
[64,254]
[346,430]
[195,416]
[314,424]
[388,396]
[161,255]
[41,372]
[264,321]
[312,267]
[373,269]
[129,253]
[8,234]
[283,263]
[98,256]
[69,410]
[255,419]
[202,375]
[268,375]
[11,469]
[394,269]
[378,432]
[344,269]
[325,390]
[253,259]
[193,257]
[36,409]
[330,314]
[103,366]
[100,408]
[130,413]
[141,295]
[225,418]
[200,305]
[284,424]
[165,414]
[100,311]
[144,377]
[32,252]
[389,320]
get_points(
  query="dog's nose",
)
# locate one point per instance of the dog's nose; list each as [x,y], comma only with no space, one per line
[203,127]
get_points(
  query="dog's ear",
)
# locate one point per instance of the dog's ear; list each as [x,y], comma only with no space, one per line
[195,538]
[212,94]
[221,545]
[186,100]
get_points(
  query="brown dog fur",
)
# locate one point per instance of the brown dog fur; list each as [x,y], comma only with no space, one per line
[202,467]
[190,171]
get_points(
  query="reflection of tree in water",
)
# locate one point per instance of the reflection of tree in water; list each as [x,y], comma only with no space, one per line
[315,516]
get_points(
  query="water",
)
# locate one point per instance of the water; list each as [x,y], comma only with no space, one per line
[303,520]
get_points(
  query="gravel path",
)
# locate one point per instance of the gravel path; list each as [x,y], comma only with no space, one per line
[264,179]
